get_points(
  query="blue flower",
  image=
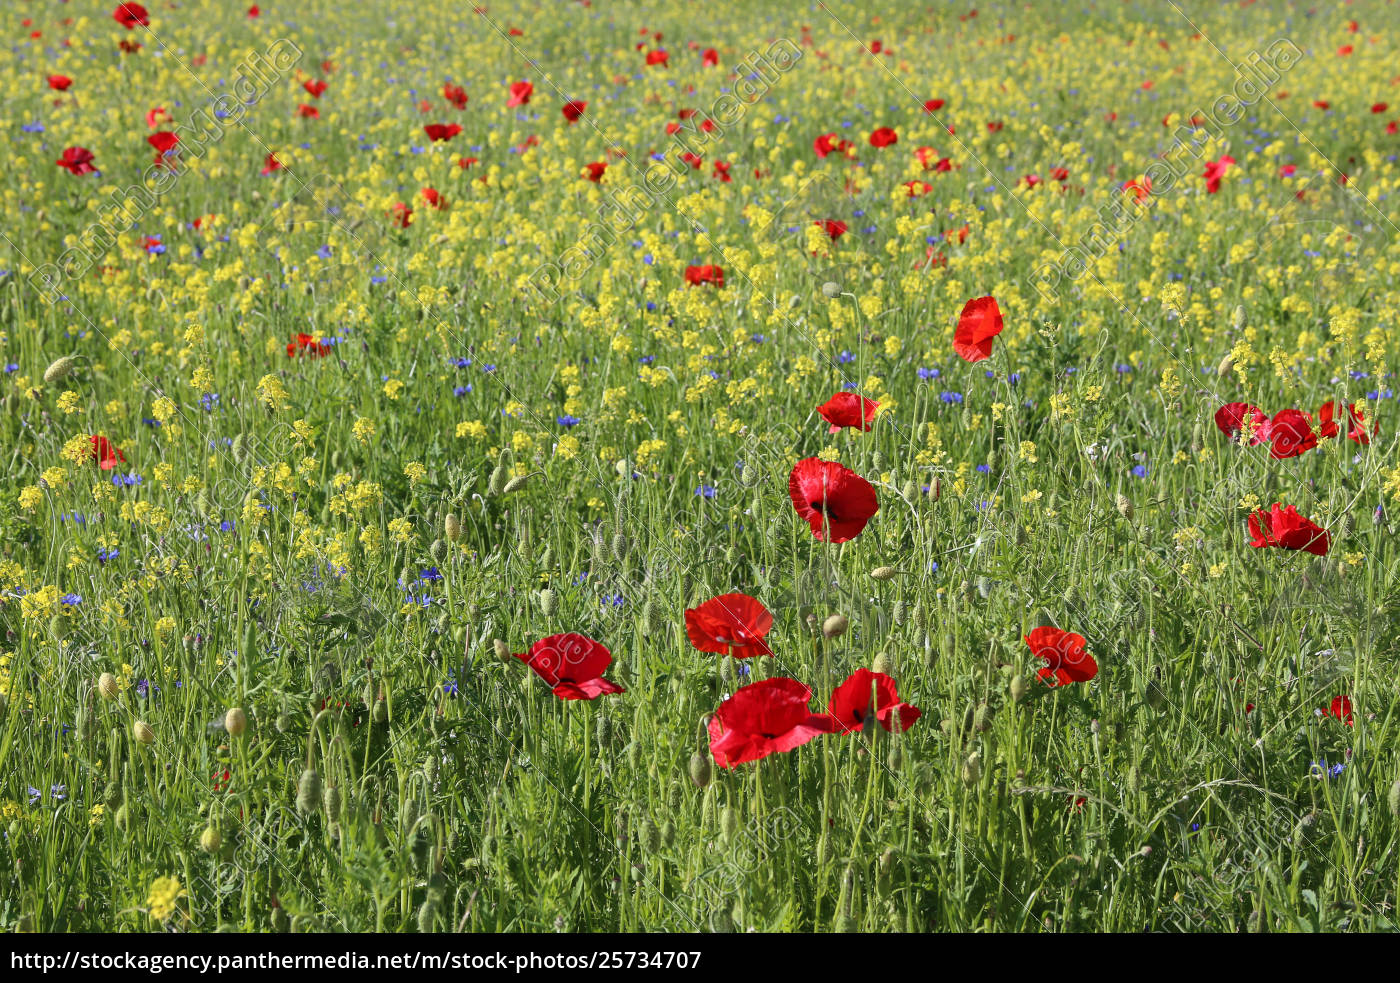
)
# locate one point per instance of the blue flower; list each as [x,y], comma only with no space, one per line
[567,421]
[929,373]
[949,397]
[71,600]
[705,491]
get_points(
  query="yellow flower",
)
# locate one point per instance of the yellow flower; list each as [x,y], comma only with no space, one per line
[415,472]
[363,429]
[164,893]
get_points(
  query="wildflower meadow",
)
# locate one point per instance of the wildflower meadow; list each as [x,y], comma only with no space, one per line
[741,466]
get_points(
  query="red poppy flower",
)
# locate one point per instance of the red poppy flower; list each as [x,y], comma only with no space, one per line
[1340,709]
[314,87]
[847,409]
[1285,528]
[1356,430]
[764,718]
[1064,655]
[77,161]
[694,160]
[721,171]
[979,323]
[917,189]
[884,137]
[439,132]
[270,164]
[573,110]
[594,171]
[934,105]
[1060,174]
[308,345]
[433,198]
[520,93]
[572,665]
[696,275]
[308,112]
[834,228]
[131,15]
[105,453]
[850,705]
[1290,434]
[1138,189]
[995,126]
[709,58]
[163,141]
[835,501]
[156,116]
[657,57]
[829,143]
[1215,170]
[402,215]
[455,94]
[465,162]
[1232,419]
[60,82]
[733,623]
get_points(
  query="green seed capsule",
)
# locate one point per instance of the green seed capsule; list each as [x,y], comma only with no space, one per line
[499,476]
[549,602]
[728,824]
[900,614]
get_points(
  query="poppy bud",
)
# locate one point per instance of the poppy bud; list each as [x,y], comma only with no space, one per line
[619,547]
[515,484]
[835,626]
[143,733]
[235,722]
[1134,780]
[549,602]
[332,801]
[900,613]
[452,528]
[732,556]
[1393,799]
[1019,687]
[972,769]
[883,664]
[438,551]
[427,914]
[728,823]
[883,573]
[280,920]
[240,447]
[1226,364]
[308,791]
[920,616]
[831,290]
[1124,504]
[60,369]
[668,832]
[430,768]
[107,686]
[700,769]
[381,712]
[1043,619]
[1238,320]
[984,586]
[982,718]
[283,723]
[501,648]
[877,461]
[895,759]
[210,840]
[651,837]
[497,483]
[1154,695]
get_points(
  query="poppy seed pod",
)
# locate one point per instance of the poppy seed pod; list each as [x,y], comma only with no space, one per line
[235,722]
[452,528]
[549,602]
[835,626]
[107,686]
[143,733]
[60,369]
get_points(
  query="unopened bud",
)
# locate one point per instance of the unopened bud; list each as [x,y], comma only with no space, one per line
[143,733]
[883,573]
[1124,504]
[60,369]
[549,602]
[835,626]
[235,722]
[452,528]
[210,840]
[107,686]
[700,769]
